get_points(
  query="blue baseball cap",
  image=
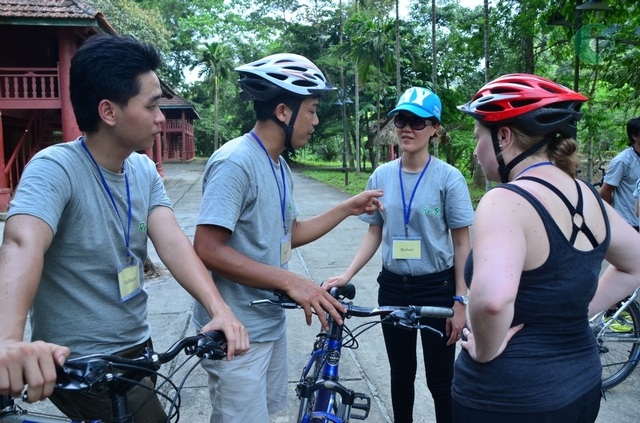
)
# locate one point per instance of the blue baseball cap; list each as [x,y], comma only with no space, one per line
[419,101]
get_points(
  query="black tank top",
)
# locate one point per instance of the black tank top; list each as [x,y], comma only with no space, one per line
[554,359]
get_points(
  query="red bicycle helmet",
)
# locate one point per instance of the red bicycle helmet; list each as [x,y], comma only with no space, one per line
[538,105]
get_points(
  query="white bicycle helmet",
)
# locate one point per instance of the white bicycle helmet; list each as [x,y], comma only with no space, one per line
[282,73]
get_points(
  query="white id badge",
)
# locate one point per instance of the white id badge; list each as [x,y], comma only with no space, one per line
[285,249]
[129,279]
[407,248]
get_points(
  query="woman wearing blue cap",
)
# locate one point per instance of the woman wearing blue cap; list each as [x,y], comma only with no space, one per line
[424,232]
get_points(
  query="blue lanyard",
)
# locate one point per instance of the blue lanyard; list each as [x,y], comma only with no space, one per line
[106,187]
[282,193]
[407,209]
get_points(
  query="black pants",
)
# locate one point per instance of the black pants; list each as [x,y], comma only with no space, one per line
[434,290]
[583,410]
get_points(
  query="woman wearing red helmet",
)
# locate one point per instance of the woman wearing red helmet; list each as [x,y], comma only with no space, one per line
[539,240]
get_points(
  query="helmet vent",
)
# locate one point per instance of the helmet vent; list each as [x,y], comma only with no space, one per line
[490,107]
[523,103]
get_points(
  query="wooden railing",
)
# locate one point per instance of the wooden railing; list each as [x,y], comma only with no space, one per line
[19,157]
[26,85]
[172,125]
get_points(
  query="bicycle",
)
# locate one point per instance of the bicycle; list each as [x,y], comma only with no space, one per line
[119,375]
[619,349]
[323,399]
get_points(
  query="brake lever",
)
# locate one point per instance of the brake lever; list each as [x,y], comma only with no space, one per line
[283,301]
[408,319]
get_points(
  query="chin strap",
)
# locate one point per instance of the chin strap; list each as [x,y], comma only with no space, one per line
[505,169]
[288,129]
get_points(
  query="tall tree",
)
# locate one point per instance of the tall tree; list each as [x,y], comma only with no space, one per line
[216,60]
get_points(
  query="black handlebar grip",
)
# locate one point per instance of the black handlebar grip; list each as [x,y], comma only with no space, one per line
[216,335]
[438,312]
[348,291]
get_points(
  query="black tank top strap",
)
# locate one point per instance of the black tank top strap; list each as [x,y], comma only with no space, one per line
[578,210]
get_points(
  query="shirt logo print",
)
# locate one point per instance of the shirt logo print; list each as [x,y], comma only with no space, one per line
[433,212]
[142,227]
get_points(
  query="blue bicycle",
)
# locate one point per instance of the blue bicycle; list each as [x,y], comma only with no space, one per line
[323,399]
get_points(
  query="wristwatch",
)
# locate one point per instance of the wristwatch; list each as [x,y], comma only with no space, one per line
[464,299]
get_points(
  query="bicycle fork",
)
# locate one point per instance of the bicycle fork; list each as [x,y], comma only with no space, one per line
[332,401]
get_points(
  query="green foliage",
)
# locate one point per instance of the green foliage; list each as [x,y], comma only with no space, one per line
[210,37]
[144,23]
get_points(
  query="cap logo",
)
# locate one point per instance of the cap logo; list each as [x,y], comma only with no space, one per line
[414,96]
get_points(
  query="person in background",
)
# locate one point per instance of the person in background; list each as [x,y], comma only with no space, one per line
[248,225]
[76,237]
[424,232]
[539,240]
[622,174]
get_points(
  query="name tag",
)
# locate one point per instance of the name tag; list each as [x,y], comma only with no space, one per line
[129,281]
[285,249]
[407,248]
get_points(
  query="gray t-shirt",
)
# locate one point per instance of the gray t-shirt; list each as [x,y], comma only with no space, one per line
[622,173]
[242,192]
[441,203]
[78,302]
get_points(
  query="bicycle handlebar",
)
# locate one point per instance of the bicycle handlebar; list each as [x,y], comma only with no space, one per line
[348,291]
[85,372]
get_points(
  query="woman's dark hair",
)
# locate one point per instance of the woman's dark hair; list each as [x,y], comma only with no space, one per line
[107,67]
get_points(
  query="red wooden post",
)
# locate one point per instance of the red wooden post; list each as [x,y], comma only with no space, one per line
[67,49]
[5,191]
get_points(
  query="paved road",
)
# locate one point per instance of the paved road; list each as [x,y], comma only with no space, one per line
[364,369]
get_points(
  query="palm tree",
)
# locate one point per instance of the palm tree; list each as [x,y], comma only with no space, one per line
[216,61]
[368,47]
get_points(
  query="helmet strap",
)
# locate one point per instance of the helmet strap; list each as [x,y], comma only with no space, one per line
[505,169]
[288,128]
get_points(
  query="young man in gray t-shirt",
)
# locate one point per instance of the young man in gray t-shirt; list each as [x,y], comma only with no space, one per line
[248,226]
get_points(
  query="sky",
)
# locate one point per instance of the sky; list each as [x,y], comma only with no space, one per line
[471,3]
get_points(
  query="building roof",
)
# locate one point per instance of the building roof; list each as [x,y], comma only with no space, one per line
[59,12]
[179,103]
[46,9]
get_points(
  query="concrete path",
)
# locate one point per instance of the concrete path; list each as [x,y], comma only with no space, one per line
[364,369]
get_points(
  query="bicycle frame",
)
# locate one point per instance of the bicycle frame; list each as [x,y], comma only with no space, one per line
[324,387]
[323,399]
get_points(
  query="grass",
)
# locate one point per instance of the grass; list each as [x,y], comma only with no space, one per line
[331,174]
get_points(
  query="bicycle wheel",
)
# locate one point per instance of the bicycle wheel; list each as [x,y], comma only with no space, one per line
[619,347]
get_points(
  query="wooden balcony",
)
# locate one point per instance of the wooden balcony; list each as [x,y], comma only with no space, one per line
[176,125]
[29,88]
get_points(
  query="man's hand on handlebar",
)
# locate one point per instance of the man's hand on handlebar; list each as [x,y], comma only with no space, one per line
[312,297]
[235,333]
[30,363]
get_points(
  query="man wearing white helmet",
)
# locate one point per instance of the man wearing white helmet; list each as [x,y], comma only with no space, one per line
[248,225]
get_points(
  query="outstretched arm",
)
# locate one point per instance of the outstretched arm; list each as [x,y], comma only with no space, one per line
[308,230]
[177,253]
[368,248]
[210,243]
[26,239]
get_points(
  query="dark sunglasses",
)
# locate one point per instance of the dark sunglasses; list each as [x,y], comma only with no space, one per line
[415,122]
